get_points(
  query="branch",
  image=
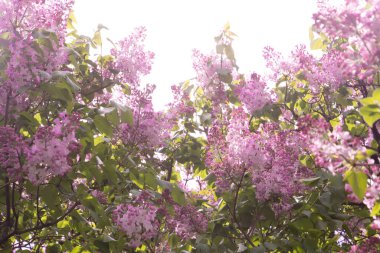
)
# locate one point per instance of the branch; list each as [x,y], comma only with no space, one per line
[170,170]
[233,213]
[15,213]
[376,136]
[97,89]
[8,203]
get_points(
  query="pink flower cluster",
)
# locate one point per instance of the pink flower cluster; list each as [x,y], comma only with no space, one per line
[131,59]
[181,105]
[231,153]
[299,59]
[370,245]
[139,222]
[324,72]
[21,17]
[33,53]
[100,196]
[357,22]
[11,149]
[52,146]
[329,72]
[244,147]
[278,180]
[373,192]
[354,28]
[187,222]
[254,94]
[217,151]
[208,68]
[332,150]
[376,224]
[269,155]
[150,129]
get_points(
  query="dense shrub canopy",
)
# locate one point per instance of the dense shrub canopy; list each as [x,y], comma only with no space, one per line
[237,162]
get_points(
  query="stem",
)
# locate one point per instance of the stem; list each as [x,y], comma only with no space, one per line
[376,136]
[97,89]
[15,214]
[170,170]
[8,203]
[150,248]
[37,206]
[233,213]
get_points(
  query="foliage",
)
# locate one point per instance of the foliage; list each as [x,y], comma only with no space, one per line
[287,162]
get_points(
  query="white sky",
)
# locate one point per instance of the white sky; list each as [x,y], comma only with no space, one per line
[175,27]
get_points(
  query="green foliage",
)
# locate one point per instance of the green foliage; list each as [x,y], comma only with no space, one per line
[358,182]
[371,108]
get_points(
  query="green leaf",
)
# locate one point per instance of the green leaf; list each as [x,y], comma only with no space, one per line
[77,249]
[303,224]
[97,39]
[270,245]
[107,238]
[27,119]
[202,248]
[178,195]
[126,116]
[105,110]
[103,125]
[113,118]
[219,48]
[368,101]
[370,113]
[101,26]
[63,224]
[102,246]
[73,85]
[310,181]
[93,172]
[95,209]
[53,248]
[60,74]
[137,180]
[376,209]
[226,78]
[307,161]
[71,20]
[325,199]
[371,108]
[150,180]
[311,33]
[61,92]
[109,171]
[164,184]
[229,53]
[376,95]
[49,194]
[316,44]
[358,182]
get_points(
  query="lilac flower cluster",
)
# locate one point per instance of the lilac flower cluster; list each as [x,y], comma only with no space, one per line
[139,222]
[48,156]
[131,59]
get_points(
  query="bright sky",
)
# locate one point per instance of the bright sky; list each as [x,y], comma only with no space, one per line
[175,27]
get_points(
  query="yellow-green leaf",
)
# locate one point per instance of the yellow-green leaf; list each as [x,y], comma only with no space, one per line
[357,181]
